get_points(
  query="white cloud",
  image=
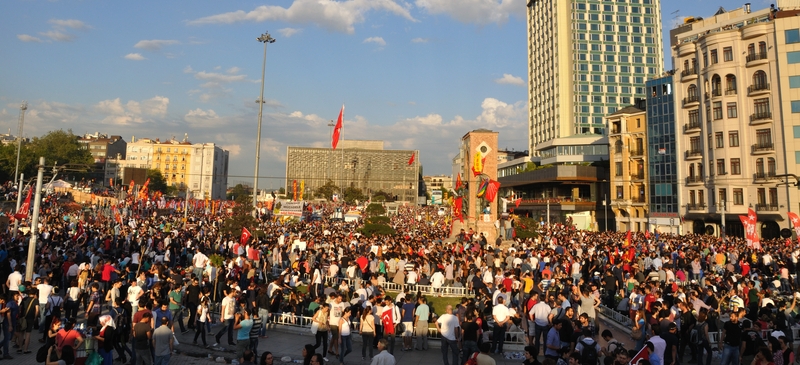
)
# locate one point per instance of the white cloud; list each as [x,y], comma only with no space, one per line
[288,32]
[233,70]
[188,70]
[377,40]
[310,117]
[500,114]
[58,36]
[68,23]
[154,44]
[475,11]
[218,77]
[509,79]
[134,57]
[201,118]
[340,16]
[132,112]
[420,40]
[233,149]
[430,119]
[28,38]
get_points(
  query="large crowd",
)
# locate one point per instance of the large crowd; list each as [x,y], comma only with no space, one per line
[128,276]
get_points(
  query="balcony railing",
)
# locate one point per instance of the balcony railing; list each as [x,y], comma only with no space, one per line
[639,199]
[730,92]
[762,147]
[694,153]
[767,207]
[691,99]
[694,179]
[695,206]
[691,71]
[637,176]
[770,175]
[756,56]
[691,126]
[637,152]
[716,92]
[760,116]
[757,87]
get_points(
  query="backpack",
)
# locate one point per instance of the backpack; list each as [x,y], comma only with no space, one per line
[473,359]
[589,353]
[618,346]
[123,323]
[697,336]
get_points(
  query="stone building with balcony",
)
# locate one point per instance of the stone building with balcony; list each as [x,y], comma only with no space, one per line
[627,140]
[734,118]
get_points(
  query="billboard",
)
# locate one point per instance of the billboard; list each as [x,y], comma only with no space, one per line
[138,175]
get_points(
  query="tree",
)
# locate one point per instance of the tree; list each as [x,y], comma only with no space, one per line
[352,194]
[282,190]
[381,196]
[241,217]
[326,191]
[57,147]
[374,210]
[237,190]
[157,182]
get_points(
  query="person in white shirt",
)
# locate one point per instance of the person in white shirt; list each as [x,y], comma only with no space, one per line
[226,317]
[448,326]
[501,317]
[199,262]
[383,357]
[540,314]
[14,279]
[437,280]
[45,289]
[337,308]
[134,293]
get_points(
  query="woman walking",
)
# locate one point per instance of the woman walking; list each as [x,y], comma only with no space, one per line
[105,339]
[346,346]
[321,319]
[202,318]
[367,330]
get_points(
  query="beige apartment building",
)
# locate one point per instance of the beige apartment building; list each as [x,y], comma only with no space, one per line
[737,127]
[627,139]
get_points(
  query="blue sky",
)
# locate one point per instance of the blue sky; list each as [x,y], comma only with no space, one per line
[415,73]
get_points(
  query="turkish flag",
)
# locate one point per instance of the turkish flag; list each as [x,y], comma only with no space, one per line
[79,233]
[643,354]
[245,236]
[491,190]
[516,202]
[25,208]
[795,223]
[458,204]
[387,319]
[411,160]
[337,130]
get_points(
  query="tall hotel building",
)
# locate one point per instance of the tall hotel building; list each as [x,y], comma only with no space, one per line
[586,60]
[737,95]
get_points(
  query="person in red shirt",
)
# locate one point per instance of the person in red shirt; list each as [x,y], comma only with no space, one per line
[649,299]
[508,281]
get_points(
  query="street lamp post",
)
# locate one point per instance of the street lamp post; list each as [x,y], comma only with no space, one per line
[264,38]
[605,211]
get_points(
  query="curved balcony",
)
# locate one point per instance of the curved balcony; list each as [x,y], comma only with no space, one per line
[760,118]
[693,154]
[686,49]
[696,206]
[691,127]
[695,180]
[767,207]
[758,89]
[764,176]
[755,59]
[690,74]
[691,100]
[762,148]
[754,30]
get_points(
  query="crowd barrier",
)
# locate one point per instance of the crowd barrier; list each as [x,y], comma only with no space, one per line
[514,336]
[335,281]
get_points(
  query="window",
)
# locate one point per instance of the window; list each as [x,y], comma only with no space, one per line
[738,197]
[773,196]
[719,139]
[760,80]
[694,144]
[701,197]
[795,106]
[727,54]
[793,57]
[717,110]
[694,117]
[731,110]
[736,168]
[618,167]
[619,192]
[714,58]
[794,82]
[733,139]
[721,166]
[792,36]
[723,196]
[764,137]
[761,106]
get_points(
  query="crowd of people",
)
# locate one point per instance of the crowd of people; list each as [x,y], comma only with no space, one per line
[127,276]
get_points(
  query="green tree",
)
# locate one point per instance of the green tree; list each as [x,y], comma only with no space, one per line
[352,194]
[241,217]
[237,190]
[58,147]
[157,182]
[282,190]
[326,191]
[382,196]
[374,210]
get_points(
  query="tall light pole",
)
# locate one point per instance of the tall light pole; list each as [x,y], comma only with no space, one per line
[22,108]
[605,210]
[264,38]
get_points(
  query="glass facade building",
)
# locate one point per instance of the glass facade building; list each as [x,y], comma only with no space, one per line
[663,173]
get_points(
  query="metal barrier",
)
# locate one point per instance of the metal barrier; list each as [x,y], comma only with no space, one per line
[620,318]
[514,336]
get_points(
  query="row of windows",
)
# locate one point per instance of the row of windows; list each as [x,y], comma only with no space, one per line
[620,8]
[763,138]
[611,18]
[697,197]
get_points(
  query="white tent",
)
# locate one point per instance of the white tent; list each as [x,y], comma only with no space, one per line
[60,184]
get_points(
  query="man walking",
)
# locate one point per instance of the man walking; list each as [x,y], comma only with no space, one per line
[448,326]
[731,341]
[162,342]
[226,317]
[421,316]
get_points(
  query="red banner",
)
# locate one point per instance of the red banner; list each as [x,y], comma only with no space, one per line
[294,190]
[795,223]
[245,236]
[25,208]
[457,207]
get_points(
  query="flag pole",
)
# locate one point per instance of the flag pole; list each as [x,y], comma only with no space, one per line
[341,179]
